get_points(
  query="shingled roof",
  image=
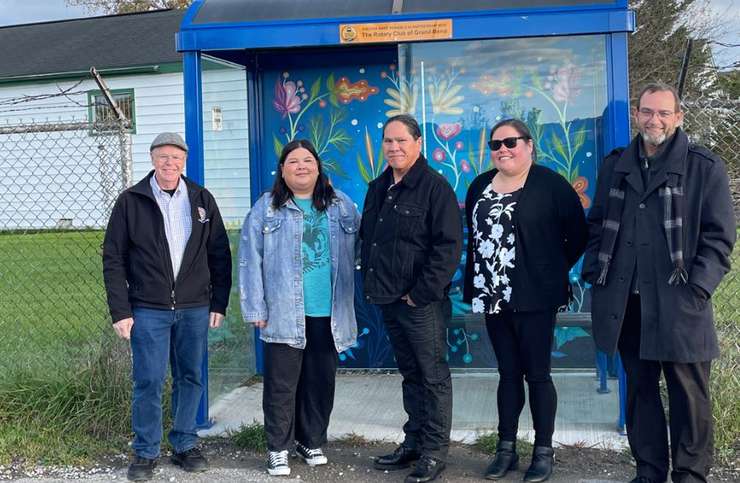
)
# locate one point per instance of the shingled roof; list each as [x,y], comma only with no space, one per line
[109,42]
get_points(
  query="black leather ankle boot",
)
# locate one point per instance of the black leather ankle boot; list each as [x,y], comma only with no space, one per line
[542,462]
[505,459]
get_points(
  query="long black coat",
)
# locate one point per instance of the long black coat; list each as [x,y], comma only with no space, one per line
[550,237]
[677,325]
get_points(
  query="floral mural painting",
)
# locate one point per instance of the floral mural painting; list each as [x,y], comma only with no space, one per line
[444,94]
[559,89]
[457,91]
[446,153]
[403,96]
[289,99]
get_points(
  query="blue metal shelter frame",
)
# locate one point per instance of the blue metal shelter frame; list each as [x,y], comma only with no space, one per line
[220,29]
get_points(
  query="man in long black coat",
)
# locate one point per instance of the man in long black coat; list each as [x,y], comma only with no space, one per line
[662,230]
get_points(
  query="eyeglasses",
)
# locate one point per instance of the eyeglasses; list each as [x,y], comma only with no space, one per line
[649,113]
[167,157]
[495,144]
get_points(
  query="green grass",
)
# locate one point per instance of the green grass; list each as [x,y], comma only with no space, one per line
[725,376]
[65,389]
[250,437]
[487,443]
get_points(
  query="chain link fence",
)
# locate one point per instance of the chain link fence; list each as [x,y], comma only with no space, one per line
[59,182]
[715,123]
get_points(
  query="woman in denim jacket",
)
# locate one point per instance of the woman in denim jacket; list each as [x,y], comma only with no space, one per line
[296,284]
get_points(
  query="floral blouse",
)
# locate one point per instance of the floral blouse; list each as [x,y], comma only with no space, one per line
[494,250]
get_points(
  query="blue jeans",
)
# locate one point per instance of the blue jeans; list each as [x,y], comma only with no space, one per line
[158,335]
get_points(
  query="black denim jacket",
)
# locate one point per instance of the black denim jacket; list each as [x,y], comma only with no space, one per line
[411,237]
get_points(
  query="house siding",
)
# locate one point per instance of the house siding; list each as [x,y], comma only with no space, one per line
[54,176]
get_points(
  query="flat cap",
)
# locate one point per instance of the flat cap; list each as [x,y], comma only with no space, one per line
[168,139]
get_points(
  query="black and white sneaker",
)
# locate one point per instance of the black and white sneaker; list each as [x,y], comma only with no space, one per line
[312,457]
[277,463]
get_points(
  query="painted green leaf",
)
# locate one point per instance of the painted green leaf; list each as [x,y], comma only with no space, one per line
[277,146]
[557,144]
[363,171]
[335,168]
[579,139]
[331,88]
[315,88]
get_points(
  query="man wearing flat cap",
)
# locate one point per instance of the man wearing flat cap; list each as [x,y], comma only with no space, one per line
[167,271]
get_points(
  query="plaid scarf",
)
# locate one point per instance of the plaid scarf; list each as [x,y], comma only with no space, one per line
[671,195]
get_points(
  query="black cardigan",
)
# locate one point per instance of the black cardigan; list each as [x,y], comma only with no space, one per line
[551,235]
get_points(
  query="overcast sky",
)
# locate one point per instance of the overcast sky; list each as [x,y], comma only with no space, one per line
[13,12]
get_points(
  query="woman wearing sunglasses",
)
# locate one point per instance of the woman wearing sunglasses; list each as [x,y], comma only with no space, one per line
[526,229]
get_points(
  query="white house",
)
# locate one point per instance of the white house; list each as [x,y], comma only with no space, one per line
[52,178]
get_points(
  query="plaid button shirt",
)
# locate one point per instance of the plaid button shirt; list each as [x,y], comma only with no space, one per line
[178,223]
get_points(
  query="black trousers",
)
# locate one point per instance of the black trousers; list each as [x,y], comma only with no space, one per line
[419,339]
[689,410]
[298,393]
[522,342]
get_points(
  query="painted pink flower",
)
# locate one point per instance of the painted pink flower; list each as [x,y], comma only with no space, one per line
[449,130]
[286,101]
[438,155]
[566,84]
[459,145]
[465,166]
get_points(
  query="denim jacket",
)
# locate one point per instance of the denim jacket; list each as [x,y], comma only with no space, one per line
[271,270]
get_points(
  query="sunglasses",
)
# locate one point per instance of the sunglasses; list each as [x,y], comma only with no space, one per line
[495,144]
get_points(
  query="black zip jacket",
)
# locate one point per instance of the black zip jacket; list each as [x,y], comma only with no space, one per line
[551,235]
[411,237]
[136,259]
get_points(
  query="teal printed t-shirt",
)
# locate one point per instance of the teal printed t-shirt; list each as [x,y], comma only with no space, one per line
[316,260]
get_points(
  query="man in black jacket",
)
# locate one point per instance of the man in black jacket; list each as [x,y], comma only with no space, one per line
[662,230]
[411,244]
[167,271]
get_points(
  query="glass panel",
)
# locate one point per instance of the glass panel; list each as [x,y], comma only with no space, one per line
[558,87]
[226,158]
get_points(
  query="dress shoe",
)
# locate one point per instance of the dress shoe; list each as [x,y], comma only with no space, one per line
[541,467]
[643,479]
[427,469]
[505,459]
[401,458]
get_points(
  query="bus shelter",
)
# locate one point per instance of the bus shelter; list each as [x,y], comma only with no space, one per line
[332,71]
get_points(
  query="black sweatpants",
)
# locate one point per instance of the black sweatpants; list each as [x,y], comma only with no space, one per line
[522,342]
[298,393]
[689,409]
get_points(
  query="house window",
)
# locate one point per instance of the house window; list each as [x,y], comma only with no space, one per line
[100,113]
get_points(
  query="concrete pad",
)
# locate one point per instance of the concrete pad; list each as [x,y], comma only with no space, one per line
[370,406]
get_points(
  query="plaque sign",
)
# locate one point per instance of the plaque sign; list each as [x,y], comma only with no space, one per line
[363,33]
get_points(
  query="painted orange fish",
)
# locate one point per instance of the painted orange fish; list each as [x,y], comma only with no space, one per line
[347,91]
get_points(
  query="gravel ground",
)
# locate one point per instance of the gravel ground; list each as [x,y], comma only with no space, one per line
[349,461]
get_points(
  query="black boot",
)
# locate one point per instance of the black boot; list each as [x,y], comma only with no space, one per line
[141,469]
[505,459]
[541,467]
[427,469]
[401,458]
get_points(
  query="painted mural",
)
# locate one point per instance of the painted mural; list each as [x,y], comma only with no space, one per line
[457,91]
